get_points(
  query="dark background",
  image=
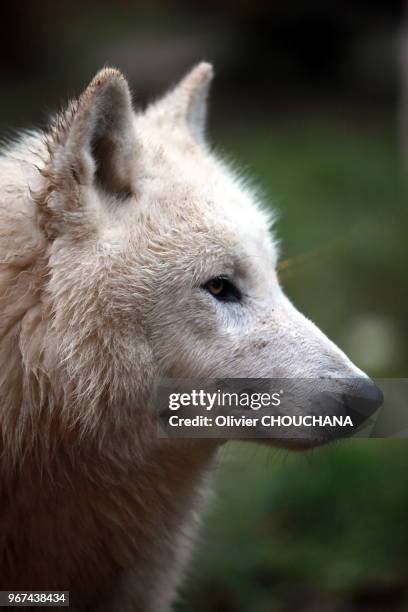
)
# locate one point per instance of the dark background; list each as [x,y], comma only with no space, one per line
[309,100]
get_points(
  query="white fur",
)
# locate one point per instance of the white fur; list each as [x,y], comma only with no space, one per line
[110,223]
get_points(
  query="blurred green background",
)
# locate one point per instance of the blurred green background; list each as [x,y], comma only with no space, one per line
[309,101]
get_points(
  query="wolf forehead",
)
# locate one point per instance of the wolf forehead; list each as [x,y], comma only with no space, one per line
[107,163]
[186,190]
[182,185]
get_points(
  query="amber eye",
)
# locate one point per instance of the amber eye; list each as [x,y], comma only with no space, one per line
[223,289]
[215,286]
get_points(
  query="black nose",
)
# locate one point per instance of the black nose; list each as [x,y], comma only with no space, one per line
[362,399]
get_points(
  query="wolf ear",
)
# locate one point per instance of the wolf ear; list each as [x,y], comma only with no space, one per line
[186,104]
[99,142]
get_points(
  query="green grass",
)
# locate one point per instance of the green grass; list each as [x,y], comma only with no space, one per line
[333,522]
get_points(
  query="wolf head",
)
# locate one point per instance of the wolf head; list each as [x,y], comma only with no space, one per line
[160,259]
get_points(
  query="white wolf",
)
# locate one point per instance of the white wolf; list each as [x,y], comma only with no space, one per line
[128,252]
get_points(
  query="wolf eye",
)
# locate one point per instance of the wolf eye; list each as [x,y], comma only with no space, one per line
[222,289]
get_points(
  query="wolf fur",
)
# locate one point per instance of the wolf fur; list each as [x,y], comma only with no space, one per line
[110,222]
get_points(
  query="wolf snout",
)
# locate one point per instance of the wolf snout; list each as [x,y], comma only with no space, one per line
[361,400]
[352,403]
